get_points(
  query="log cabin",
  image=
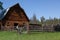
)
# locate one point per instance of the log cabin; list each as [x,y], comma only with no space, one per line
[12,17]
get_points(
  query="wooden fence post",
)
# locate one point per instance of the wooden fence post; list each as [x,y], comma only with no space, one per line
[27,27]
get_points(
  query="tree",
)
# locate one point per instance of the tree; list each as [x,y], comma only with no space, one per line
[1,7]
[2,10]
[49,21]
[34,20]
[56,20]
[42,19]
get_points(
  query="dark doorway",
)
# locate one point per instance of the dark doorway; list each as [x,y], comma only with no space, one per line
[15,24]
[57,27]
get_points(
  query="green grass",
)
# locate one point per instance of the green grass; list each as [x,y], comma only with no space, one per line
[6,35]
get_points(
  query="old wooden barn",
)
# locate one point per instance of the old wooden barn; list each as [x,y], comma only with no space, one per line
[12,17]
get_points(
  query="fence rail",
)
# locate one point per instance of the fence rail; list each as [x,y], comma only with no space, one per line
[41,28]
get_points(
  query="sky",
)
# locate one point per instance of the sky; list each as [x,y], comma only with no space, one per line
[46,8]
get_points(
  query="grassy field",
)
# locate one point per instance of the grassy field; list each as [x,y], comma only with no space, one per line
[5,35]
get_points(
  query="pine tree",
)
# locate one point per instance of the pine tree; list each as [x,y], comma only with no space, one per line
[1,7]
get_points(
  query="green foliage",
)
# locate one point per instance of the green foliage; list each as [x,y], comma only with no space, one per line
[42,19]
[34,20]
[1,7]
[50,21]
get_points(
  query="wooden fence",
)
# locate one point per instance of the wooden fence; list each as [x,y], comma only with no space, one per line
[37,27]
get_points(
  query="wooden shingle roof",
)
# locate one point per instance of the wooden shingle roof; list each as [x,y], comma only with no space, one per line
[4,13]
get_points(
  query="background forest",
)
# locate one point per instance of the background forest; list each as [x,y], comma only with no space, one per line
[43,21]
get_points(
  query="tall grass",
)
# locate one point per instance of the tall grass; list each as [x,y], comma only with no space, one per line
[6,35]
